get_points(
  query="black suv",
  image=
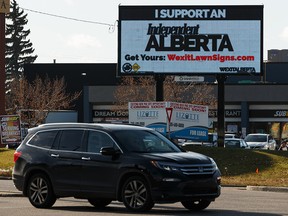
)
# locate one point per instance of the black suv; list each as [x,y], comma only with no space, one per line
[105,162]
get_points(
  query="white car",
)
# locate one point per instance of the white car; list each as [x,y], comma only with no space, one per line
[230,135]
[260,141]
[235,143]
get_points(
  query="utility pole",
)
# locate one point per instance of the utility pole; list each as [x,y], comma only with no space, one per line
[159,86]
[4,8]
[221,109]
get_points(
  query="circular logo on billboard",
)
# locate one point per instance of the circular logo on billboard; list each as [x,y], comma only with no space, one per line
[127,67]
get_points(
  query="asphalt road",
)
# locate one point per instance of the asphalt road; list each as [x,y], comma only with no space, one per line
[233,201]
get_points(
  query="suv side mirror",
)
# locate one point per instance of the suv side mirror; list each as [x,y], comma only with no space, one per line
[109,151]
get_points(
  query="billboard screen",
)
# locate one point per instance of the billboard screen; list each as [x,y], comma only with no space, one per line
[190,40]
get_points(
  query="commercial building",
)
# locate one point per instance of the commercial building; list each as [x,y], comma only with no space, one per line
[252,103]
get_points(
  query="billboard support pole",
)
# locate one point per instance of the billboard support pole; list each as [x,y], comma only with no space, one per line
[221,109]
[159,78]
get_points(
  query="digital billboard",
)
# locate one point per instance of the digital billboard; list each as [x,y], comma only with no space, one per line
[190,40]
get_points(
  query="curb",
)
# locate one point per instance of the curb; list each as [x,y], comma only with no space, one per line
[5,178]
[10,194]
[267,188]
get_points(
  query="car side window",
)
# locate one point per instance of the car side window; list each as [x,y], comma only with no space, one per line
[43,139]
[97,140]
[71,140]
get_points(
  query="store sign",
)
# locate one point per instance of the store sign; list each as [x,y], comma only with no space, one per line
[189,79]
[179,120]
[229,113]
[268,113]
[110,113]
[190,39]
[10,129]
[236,113]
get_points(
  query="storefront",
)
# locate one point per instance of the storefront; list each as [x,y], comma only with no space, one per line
[272,119]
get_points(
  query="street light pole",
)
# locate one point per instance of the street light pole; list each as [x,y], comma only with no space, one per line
[2,64]
[4,8]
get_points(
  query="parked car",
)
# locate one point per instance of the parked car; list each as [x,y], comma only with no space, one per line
[104,162]
[231,135]
[211,142]
[260,141]
[12,145]
[235,143]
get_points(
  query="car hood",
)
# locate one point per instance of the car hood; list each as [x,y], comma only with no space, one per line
[179,157]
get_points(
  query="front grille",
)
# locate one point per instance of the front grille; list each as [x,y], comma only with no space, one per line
[197,169]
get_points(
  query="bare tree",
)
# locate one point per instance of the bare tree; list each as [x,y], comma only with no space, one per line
[143,89]
[135,89]
[192,92]
[33,101]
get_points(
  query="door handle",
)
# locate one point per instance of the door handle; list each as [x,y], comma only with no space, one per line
[55,155]
[86,158]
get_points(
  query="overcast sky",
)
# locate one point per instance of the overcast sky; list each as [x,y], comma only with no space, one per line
[70,41]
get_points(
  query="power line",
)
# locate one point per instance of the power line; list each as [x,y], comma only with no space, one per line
[111,26]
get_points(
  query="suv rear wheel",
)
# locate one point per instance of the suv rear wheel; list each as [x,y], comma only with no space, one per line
[196,205]
[136,194]
[39,191]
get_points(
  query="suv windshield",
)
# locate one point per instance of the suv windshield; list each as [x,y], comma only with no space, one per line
[145,141]
[256,138]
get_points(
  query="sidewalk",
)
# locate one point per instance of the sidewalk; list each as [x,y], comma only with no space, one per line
[7,188]
[268,188]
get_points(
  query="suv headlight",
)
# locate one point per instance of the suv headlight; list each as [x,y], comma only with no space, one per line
[214,163]
[165,166]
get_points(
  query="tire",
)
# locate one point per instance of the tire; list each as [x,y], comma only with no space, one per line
[136,195]
[99,203]
[196,205]
[40,192]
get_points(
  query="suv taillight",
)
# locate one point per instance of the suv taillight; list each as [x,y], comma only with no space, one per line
[16,155]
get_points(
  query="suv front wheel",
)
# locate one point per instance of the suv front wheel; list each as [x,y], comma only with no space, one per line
[39,191]
[136,194]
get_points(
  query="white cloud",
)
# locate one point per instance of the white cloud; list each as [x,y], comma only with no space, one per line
[284,33]
[70,2]
[83,41]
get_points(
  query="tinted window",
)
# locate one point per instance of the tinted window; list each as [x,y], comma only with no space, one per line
[43,139]
[71,140]
[145,141]
[256,138]
[232,144]
[97,140]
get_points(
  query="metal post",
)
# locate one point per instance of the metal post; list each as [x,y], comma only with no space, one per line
[221,109]
[159,87]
